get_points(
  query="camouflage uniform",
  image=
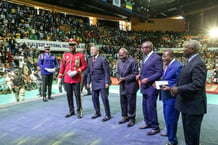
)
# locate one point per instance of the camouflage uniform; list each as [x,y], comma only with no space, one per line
[19,86]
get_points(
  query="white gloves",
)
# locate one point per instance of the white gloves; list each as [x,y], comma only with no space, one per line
[51,70]
[72,73]
[59,82]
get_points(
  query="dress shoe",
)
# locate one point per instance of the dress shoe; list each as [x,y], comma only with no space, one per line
[123,120]
[44,99]
[131,123]
[169,143]
[106,118]
[153,132]
[79,115]
[163,134]
[70,114]
[50,98]
[144,126]
[96,116]
[87,94]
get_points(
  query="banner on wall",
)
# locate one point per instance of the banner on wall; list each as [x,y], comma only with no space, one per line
[54,45]
[116,3]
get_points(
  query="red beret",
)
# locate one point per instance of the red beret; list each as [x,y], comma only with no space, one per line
[73,41]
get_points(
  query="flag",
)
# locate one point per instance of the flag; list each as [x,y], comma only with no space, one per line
[116,3]
[128,7]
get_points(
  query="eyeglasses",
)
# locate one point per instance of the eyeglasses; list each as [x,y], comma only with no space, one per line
[145,47]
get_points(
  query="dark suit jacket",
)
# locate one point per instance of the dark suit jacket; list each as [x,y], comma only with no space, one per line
[151,69]
[171,75]
[191,98]
[98,73]
[128,70]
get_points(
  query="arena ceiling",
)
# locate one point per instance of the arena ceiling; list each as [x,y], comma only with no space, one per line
[142,9]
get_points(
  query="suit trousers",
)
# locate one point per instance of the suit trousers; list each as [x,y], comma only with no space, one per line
[171,116]
[128,105]
[192,128]
[104,96]
[70,89]
[47,83]
[149,111]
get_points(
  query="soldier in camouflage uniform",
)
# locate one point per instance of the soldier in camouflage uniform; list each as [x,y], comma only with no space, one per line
[19,86]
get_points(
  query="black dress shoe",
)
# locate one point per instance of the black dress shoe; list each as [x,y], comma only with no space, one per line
[87,94]
[153,132]
[44,99]
[79,115]
[144,126]
[96,116]
[50,98]
[70,114]
[131,123]
[106,118]
[123,120]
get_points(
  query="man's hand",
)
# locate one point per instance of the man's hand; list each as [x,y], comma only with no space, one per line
[144,81]
[137,77]
[122,79]
[174,91]
[59,82]
[106,85]
[72,73]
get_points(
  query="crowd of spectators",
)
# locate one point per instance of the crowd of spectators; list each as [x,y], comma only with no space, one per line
[24,22]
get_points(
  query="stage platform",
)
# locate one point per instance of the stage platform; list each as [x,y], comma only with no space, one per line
[34,122]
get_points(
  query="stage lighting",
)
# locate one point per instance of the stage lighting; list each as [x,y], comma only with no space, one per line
[213,33]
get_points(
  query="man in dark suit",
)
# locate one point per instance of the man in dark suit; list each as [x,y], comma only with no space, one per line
[126,74]
[151,71]
[99,76]
[171,115]
[190,93]
[85,74]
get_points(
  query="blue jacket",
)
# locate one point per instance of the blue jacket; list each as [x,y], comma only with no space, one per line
[47,61]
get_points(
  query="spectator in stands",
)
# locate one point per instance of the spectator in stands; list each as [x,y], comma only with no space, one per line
[48,64]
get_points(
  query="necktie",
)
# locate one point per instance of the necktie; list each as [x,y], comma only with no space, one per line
[165,70]
[93,61]
[145,59]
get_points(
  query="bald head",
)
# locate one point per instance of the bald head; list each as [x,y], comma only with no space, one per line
[123,54]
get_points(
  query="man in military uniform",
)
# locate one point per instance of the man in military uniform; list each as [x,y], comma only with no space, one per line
[48,64]
[19,85]
[73,63]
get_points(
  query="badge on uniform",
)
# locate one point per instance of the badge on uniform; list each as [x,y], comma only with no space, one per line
[77,61]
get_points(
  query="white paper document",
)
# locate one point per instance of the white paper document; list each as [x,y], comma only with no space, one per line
[159,84]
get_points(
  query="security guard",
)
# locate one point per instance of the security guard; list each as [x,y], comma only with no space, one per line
[19,85]
[73,63]
[48,64]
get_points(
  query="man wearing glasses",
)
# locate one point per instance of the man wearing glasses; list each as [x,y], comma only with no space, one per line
[72,66]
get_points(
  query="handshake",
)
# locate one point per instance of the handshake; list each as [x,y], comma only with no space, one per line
[51,70]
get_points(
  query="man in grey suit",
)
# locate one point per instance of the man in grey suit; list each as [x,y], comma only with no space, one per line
[99,76]
[190,93]
[151,71]
[126,74]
